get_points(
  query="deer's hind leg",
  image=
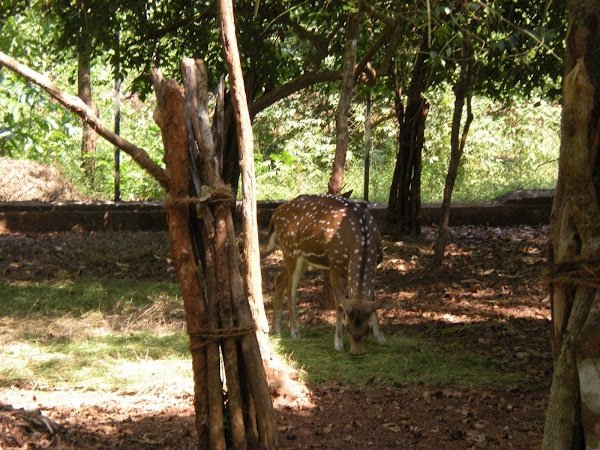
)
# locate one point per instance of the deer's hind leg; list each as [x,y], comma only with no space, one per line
[281,290]
[295,270]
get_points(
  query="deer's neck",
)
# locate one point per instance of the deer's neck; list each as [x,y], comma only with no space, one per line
[362,258]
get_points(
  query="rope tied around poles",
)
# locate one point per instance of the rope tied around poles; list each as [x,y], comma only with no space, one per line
[208,194]
[211,336]
[580,272]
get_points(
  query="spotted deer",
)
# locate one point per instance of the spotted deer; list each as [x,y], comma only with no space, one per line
[333,233]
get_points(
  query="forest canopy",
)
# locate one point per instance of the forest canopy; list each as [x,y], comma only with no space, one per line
[292,56]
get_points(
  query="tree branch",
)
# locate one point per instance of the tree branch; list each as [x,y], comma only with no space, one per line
[303,81]
[319,42]
[297,84]
[362,66]
[76,105]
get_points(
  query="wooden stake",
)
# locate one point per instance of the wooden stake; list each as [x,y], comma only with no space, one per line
[169,115]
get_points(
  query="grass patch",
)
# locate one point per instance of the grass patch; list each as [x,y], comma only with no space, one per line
[129,336]
[402,360]
[116,362]
[86,295]
[94,334]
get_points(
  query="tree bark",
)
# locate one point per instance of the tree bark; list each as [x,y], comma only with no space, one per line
[404,203]
[117,116]
[588,369]
[266,422]
[368,127]
[251,248]
[341,117]
[230,350]
[573,414]
[76,105]
[297,84]
[169,115]
[336,179]
[225,325]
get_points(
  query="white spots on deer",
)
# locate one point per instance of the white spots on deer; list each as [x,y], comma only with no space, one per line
[334,233]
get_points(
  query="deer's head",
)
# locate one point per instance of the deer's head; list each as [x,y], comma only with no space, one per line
[357,316]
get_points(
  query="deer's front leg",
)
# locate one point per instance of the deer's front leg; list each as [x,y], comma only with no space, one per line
[376,330]
[338,296]
[338,340]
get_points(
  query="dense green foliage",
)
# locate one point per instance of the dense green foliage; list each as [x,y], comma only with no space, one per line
[32,126]
[509,146]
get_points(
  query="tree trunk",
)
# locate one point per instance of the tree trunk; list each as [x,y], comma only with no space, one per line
[336,180]
[251,248]
[573,415]
[84,90]
[462,93]
[368,125]
[223,326]
[117,118]
[404,203]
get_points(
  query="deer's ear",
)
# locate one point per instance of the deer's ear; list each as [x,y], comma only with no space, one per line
[345,308]
[341,301]
[377,304]
[338,294]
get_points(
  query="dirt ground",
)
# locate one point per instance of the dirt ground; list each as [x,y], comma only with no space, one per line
[488,298]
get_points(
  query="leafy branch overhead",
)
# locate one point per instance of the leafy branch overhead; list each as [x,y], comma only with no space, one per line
[76,105]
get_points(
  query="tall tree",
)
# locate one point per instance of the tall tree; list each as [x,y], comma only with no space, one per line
[573,415]
[79,32]
[404,202]
[117,117]
[85,48]
[463,92]
[515,46]
[341,116]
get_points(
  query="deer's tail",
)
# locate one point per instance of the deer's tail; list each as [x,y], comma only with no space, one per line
[272,237]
